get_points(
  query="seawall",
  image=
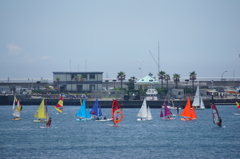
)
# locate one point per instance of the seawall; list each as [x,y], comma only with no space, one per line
[107,103]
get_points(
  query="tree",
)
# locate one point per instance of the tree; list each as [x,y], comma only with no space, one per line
[167,78]
[121,76]
[58,80]
[193,76]
[150,74]
[161,76]
[130,83]
[176,79]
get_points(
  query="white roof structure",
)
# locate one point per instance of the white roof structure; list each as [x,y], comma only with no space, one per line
[146,81]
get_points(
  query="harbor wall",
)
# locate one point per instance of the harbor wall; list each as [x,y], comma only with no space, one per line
[8,100]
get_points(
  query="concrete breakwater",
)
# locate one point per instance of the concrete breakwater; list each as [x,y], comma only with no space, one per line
[107,103]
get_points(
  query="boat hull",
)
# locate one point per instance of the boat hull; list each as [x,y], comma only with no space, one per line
[17,119]
[85,119]
[175,108]
[143,119]
[40,121]
[104,120]
[168,118]
[187,119]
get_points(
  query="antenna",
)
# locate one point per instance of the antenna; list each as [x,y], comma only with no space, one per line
[70,64]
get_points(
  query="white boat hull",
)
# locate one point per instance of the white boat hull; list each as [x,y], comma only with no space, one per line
[40,121]
[104,120]
[143,119]
[83,119]
[175,108]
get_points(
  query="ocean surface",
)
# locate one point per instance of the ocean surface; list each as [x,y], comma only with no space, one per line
[68,138]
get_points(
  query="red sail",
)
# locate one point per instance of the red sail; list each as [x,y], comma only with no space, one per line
[117,115]
[216,118]
[59,105]
[115,106]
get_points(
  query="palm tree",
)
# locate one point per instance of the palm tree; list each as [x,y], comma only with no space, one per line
[121,76]
[193,76]
[167,78]
[176,79]
[161,76]
[58,80]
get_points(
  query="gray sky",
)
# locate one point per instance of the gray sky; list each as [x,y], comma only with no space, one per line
[40,37]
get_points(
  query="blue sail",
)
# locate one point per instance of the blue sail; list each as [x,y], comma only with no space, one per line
[96,110]
[88,114]
[82,111]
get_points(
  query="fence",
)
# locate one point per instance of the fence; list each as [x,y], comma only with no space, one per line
[116,94]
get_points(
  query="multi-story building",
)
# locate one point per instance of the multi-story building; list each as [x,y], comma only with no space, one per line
[67,82]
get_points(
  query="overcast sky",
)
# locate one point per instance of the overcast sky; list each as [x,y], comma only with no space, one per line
[40,37]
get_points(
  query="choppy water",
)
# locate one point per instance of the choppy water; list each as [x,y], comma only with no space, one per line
[68,138]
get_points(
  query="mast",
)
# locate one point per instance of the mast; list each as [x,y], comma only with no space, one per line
[158,58]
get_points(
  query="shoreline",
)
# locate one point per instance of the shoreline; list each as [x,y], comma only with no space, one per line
[107,102]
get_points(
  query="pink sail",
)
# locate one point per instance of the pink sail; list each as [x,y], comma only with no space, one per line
[167,112]
[161,114]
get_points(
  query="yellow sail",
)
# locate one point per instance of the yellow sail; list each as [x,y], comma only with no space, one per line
[40,113]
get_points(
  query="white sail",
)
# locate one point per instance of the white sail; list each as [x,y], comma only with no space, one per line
[149,114]
[16,111]
[198,102]
[14,103]
[202,106]
[143,110]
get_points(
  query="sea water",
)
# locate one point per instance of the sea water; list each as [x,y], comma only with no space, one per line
[68,138]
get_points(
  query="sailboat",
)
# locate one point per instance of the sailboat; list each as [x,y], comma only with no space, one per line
[216,118]
[117,114]
[149,114]
[96,110]
[238,106]
[41,113]
[167,113]
[16,109]
[198,102]
[83,113]
[188,112]
[171,105]
[59,105]
[144,112]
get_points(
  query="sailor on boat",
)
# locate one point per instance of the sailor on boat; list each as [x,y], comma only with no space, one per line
[220,122]
[49,122]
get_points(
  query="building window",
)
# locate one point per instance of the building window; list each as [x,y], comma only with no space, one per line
[84,76]
[92,76]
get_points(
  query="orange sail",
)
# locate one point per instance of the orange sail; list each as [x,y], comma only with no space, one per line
[117,114]
[59,105]
[115,106]
[193,114]
[187,110]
